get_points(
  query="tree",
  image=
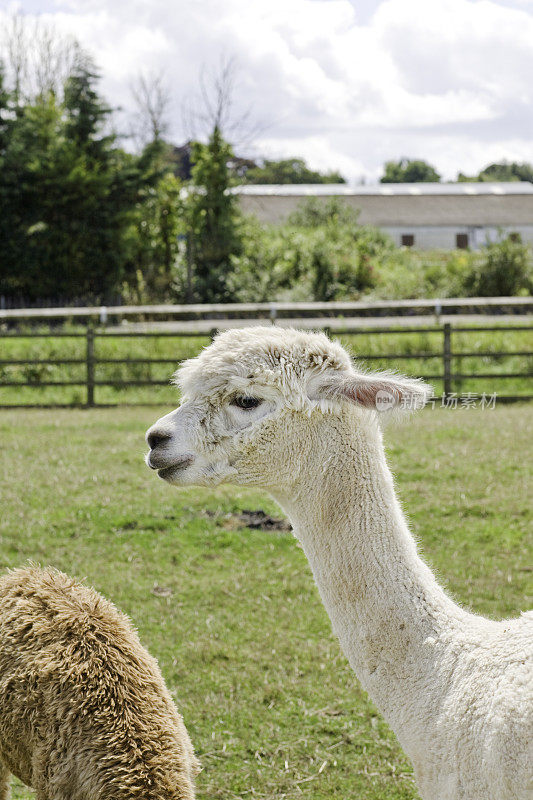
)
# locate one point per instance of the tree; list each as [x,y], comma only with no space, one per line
[214,220]
[38,59]
[212,211]
[289,170]
[27,167]
[85,112]
[152,100]
[215,106]
[66,197]
[154,243]
[503,171]
[180,160]
[409,171]
[5,109]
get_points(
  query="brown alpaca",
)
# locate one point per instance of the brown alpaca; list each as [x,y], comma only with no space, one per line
[84,711]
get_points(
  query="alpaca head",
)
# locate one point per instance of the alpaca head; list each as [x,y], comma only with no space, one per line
[259,402]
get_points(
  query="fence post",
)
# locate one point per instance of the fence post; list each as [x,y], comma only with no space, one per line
[189,260]
[447,359]
[89,353]
[212,333]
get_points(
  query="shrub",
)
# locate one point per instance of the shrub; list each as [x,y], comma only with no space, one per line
[505,269]
[321,253]
[406,273]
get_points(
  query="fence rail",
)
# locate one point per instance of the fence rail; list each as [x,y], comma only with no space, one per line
[446,355]
[280,310]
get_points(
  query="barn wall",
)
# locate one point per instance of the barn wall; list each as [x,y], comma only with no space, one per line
[434,220]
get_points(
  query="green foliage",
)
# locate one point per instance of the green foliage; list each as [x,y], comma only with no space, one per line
[328,211]
[5,103]
[289,170]
[322,254]
[500,269]
[66,193]
[213,216]
[153,244]
[504,171]
[262,269]
[409,171]
[408,273]
[81,219]
[505,269]
[85,112]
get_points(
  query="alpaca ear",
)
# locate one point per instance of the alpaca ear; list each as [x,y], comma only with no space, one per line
[379,391]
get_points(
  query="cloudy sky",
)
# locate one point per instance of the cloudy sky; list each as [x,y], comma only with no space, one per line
[347,84]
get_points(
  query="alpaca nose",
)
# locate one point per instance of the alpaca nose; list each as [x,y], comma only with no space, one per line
[157,438]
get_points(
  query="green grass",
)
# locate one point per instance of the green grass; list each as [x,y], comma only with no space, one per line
[235,619]
[484,344]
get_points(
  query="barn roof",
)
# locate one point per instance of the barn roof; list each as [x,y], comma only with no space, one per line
[385,189]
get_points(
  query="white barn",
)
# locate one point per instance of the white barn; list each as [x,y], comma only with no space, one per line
[421,215]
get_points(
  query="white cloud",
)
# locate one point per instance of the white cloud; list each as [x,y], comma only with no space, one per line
[481,46]
[346,85]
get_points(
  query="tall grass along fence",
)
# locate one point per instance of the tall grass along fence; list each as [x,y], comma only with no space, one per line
[101,367]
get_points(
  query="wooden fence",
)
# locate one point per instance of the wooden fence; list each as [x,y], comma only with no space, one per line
[446,356]
[436,308]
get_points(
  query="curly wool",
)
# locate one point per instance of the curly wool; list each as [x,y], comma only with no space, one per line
[84,711]
[456,689]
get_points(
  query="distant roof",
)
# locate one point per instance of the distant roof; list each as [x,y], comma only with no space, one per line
[384,189]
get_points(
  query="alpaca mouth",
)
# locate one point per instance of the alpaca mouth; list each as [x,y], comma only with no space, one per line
[169,472]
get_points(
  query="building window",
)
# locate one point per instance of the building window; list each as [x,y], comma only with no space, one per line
[461,241]
[408,240]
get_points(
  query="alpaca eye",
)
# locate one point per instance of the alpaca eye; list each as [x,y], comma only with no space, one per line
[246,402]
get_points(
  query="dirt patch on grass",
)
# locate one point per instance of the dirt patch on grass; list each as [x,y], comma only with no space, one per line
[256,520]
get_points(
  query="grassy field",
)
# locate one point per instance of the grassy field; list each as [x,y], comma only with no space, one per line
[231,613]
[481,345]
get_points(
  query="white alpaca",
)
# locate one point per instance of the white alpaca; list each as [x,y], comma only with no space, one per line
[288,412]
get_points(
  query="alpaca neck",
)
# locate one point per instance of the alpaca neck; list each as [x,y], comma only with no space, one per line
[384,603]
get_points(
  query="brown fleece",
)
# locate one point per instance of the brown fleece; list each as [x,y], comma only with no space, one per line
[84,711]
